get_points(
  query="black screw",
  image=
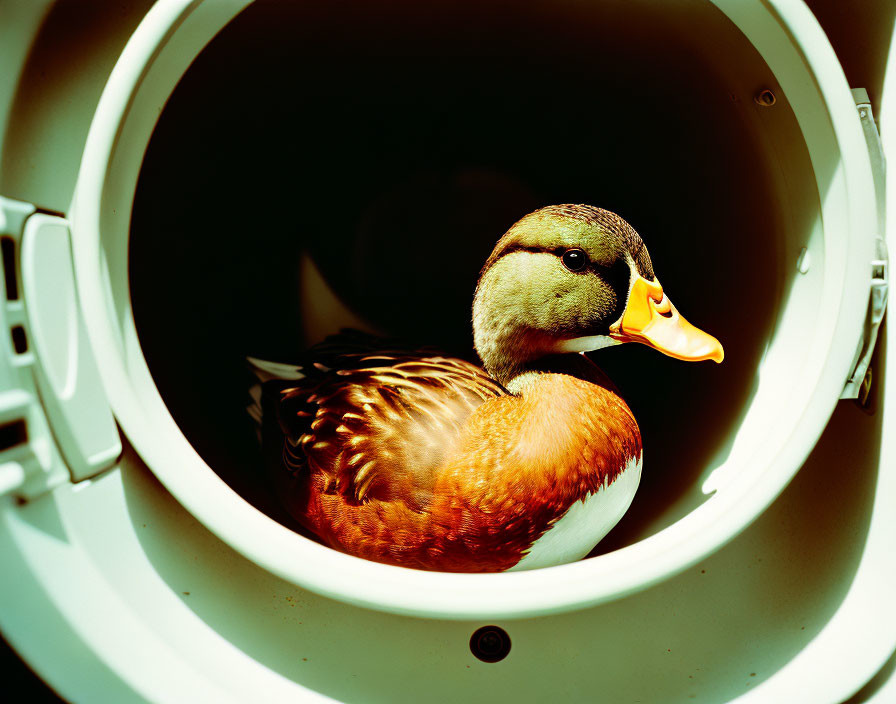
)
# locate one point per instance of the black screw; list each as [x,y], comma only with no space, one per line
[490,643]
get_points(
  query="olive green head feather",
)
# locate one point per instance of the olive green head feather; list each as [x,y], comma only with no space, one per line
[555,282]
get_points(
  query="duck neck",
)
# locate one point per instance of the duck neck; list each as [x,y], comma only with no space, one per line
[509,353]
[575,365]
[531,360]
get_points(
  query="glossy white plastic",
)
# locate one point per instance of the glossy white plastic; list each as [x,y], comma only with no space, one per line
[799,380]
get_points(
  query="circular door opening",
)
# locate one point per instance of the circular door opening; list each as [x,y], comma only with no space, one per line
[316,166]
[301,150]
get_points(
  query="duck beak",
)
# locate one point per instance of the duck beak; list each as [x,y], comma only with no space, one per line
[650,318]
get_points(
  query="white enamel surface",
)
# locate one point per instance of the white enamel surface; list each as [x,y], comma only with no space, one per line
[585,523]
[108,584]
[799,381]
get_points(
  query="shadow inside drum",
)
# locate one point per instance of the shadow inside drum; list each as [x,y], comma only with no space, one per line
[395,159]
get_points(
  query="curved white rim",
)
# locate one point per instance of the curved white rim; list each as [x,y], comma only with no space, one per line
[151,429]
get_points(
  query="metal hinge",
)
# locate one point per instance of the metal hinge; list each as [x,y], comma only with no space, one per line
[55,422]
[858,385]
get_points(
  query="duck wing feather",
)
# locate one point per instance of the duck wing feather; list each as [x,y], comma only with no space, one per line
[374,424]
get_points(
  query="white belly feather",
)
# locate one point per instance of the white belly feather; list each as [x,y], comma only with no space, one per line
[585,523]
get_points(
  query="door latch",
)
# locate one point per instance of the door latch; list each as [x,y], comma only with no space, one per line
[858,385]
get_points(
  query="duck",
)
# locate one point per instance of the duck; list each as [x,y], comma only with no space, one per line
[406,456]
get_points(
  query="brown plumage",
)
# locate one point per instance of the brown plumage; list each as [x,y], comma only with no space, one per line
[421,460]
[409,457]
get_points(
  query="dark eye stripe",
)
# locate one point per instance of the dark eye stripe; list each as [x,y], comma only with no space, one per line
[617,274]
[511,250]
[556,251]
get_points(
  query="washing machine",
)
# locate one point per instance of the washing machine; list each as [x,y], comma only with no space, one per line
[187,182]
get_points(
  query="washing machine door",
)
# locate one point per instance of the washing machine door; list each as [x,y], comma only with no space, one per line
[121,594]
[797,314]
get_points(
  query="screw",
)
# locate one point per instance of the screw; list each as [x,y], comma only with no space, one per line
[765,98]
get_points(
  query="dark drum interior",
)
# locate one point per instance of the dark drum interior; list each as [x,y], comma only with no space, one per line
[388,145]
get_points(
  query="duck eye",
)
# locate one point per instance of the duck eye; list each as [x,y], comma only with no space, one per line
[574,259]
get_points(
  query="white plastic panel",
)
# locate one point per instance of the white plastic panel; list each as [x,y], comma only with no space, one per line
[69,607]
[812,364]
[134,582]
[67,376]
[27,437]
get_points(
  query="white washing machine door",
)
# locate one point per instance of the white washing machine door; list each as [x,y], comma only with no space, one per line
[120,594]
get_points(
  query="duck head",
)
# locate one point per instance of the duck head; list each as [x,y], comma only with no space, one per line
[574,278]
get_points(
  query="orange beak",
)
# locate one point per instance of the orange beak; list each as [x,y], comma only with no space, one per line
[650,318]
